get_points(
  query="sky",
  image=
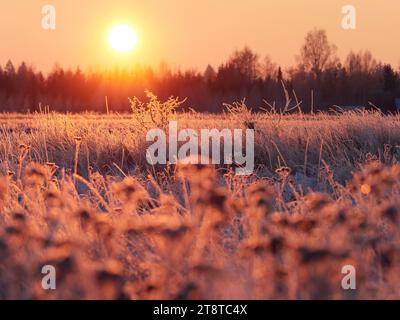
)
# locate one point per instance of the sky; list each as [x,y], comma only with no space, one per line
[190,34]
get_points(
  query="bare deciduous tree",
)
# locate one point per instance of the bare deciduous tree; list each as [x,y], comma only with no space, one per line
[269,68]
[246,62]
[361,62]
[317,53]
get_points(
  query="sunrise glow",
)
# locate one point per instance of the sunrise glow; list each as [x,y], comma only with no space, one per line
[122,38]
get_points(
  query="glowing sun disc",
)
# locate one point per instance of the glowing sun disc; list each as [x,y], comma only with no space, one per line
[122,38]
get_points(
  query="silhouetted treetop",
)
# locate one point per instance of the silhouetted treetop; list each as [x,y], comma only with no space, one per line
[319,78]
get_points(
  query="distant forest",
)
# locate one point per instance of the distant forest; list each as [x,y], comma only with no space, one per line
[319,79]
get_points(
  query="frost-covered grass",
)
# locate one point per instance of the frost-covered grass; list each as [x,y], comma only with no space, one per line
[77,193]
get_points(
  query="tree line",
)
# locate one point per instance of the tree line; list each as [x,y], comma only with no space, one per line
[318,81]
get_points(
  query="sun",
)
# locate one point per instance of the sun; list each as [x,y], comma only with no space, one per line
[122,38]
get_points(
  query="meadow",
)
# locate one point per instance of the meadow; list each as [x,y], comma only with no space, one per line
[77,193]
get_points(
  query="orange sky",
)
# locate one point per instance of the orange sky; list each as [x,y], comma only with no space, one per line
[190,33]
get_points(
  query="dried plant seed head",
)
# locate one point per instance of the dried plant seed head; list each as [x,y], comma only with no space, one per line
[36,174]
[23,148]
[130,190]
[316,201]
[53,198]
[283,172]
